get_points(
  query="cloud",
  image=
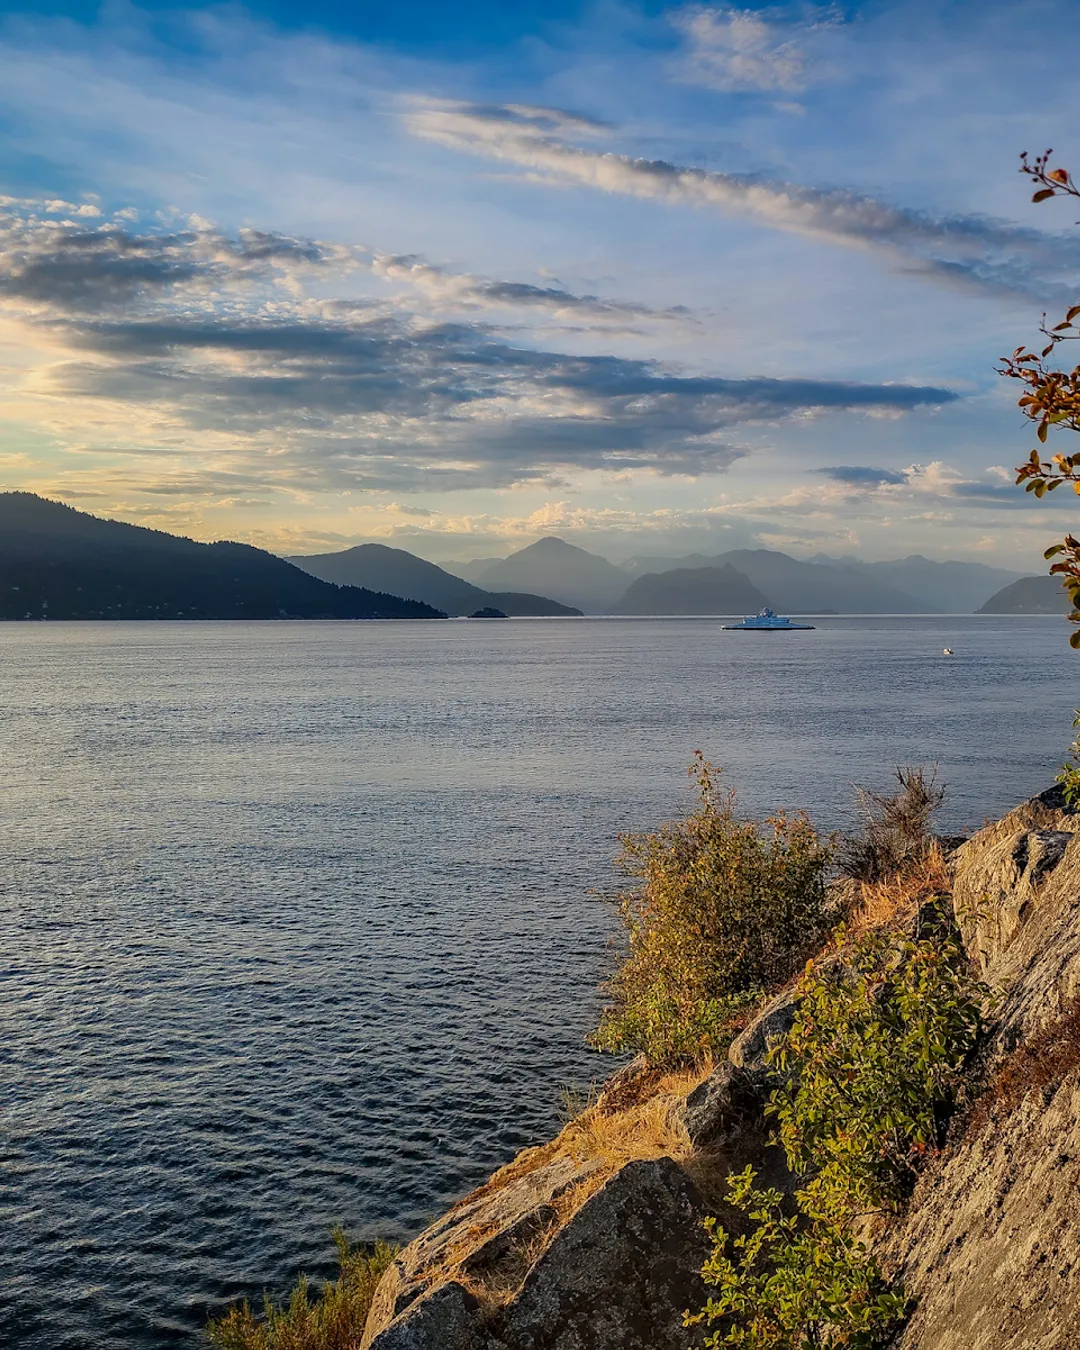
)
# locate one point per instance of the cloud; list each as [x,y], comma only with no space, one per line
[388,402]
[861,475]
[733,50]
[159,341]
[78,268]
[464,290]
[936,480]
[965,250]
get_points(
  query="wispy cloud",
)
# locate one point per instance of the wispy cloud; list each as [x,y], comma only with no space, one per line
[463,290]
[968,250]
[863,475]
[735,50]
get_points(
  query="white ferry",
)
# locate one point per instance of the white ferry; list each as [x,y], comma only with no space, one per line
[764,622]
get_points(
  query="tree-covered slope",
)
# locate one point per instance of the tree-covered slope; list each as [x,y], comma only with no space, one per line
[58,563]
[1029,595]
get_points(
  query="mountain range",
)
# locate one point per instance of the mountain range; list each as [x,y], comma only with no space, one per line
[401,573]
[933,587]
[553,577]
[59,563]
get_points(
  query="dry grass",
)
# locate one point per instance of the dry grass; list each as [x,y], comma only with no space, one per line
[896,898]
[1041,1062]
[897,826]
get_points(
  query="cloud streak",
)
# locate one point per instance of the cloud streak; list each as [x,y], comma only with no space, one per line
[464,290]
[965,250]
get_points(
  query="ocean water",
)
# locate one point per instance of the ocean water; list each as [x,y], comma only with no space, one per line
[298,922]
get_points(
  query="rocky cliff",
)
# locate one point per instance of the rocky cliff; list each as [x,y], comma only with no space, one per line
[593,1241]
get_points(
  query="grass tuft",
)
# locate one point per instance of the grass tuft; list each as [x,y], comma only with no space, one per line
[332,1318]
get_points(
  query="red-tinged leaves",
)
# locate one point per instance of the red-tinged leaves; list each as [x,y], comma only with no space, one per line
[1074,640]
[1043,194]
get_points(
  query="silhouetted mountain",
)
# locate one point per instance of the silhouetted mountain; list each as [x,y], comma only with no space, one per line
[645,564]
[1029,595]
[563,571]
[954,587]
[698,590]
[814,588]
[475,567]
[379,567]
[59,563]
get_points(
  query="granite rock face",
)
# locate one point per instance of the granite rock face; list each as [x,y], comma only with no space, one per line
[1017,900]
[990,1246]
[990,1243]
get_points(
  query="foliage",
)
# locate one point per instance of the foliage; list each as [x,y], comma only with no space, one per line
[872,1067]
[1069,776]
[727,909]
[898,826]
[874,1060]
[794,1281]
[1051,398]
[332,1319]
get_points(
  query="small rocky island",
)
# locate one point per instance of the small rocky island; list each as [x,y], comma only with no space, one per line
[487,612]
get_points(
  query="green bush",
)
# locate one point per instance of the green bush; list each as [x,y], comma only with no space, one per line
[793,1282]
[1069,776]
[874,1060]
[726,910]
[872,1065]
[332,1319]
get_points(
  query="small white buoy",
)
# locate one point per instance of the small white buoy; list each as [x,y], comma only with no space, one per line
[946,651]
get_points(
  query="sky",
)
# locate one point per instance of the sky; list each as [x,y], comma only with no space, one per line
[658,279]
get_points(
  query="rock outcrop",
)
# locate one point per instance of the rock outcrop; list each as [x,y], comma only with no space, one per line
[594,1241]
[990,1243]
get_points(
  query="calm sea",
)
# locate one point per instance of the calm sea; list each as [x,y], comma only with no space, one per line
[297,923]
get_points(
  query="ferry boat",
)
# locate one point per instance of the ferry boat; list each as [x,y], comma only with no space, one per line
[766,621]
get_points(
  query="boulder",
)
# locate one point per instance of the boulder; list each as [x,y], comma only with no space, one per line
[446,1317]
[748,1050]
[725,1104]
[621,1272]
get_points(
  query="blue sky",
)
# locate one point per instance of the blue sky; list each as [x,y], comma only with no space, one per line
[659,279]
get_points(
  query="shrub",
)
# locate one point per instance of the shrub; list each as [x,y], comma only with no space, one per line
[1069,777]
[873,1066]
[793,1282]
[898,828]
[875,1057]
[332,1319]
[726,910]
